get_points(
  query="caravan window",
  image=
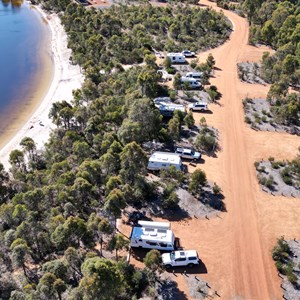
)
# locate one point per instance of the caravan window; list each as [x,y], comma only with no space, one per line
[163,245]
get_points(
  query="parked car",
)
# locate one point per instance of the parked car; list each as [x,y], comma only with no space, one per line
[180,258]
[198,106]
[188,53]
[188,153]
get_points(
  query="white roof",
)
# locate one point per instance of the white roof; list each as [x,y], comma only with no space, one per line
[160,225]
[185,253]
[175,54]
[153,234]
[165,157]
[169,106]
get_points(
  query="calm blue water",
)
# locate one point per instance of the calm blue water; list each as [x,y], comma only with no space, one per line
[21,35]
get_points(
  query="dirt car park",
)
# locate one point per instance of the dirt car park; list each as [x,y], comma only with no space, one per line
[235,247]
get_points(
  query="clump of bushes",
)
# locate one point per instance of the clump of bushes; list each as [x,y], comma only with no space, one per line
[281,255]
[206,140]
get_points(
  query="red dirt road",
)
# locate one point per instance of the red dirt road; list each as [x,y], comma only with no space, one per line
[236,247]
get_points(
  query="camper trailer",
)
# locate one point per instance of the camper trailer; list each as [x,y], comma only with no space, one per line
[193,83]
[164,160]
[195,75]
[176,58]
[167,107]
[153,235]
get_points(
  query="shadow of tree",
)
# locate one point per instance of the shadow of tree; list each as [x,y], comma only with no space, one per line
[168,290]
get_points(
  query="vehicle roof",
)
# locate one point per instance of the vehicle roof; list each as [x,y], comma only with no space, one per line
[153,234]
[175,54]
[165,157]
[170,106]
[201,103]
[185,253]
[197,73]
[185,150]
[162,99]
[189,79]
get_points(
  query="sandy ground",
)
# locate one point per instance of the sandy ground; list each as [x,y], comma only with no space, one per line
[66,78]
[236,247]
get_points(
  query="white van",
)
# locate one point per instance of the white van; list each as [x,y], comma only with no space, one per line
[193,83]
[195,75]
[164,160]
[152,235]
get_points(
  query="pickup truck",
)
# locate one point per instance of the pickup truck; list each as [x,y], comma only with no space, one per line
[180,258]
[188,153]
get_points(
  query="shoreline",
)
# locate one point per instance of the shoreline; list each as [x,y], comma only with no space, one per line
[16,115]
[65,78]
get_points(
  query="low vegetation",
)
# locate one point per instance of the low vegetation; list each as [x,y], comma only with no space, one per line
[282,177]
[271,116]
[281,254]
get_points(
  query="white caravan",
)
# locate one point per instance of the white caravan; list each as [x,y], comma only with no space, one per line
[193,83]
[164,160]
[153,235]
[176,58]
[167,107]
[195,75]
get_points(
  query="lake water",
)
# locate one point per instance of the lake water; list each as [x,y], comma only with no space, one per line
[22,36]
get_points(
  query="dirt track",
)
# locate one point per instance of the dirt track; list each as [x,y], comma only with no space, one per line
[236,247]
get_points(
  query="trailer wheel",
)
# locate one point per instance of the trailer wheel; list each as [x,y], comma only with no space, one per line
[190,265]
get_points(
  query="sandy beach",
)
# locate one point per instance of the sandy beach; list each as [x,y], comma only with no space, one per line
[67,77]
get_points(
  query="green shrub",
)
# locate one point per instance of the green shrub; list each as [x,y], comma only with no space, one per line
[269,183]
[248,120]
[287,180]
[280,267]
[275,164]
[256,164]
[292,278]
[264,119]
[216,189]
[262,180]
[171,70]
[271,158]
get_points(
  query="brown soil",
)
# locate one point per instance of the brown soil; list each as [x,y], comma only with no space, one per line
[236,247]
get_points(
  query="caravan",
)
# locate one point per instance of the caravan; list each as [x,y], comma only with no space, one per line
[176,58]
[193,83]
[153,235]
[167,107]
[164,160]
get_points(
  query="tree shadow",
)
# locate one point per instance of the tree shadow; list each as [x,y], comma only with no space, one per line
[168,290]
[217,69]
[176,214]
[215,201]
[139,253]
